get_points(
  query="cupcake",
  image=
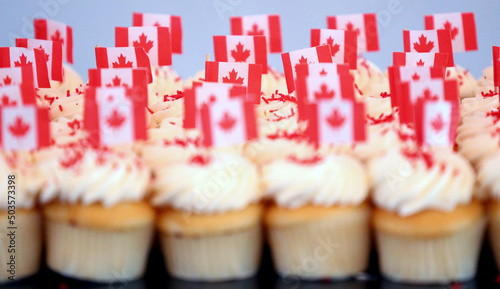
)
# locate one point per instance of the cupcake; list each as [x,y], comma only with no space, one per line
[466,81]
[483,101]
[428,227]
[98,225]
[165,82]
[20,218]
[318,220]
[209,217]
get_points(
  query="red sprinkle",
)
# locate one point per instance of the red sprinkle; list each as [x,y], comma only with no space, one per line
[489,93]
[495,114]
[307,161]
[384,94]
[357,88]
[425,156]
[296,135]
[200,160]
[60,108]
[72,159]
[173,97]
[381,119]
[279,97]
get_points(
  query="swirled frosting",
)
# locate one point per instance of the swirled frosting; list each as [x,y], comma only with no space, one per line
[487,177]
[483,101]
[332,180]
[72,82]
[377,106]
[467,82]
[487,78]
[199,76]
[68,106]
[165,82]
[273,82]
[67,130]
[408,182]
[171,106]
[367,75]
[213,184]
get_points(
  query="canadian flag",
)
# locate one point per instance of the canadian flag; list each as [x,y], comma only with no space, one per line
[462,27]
[164,20]
[336,121]
[318,54]
[113,116]
[123,57]
[154,40]
[343,44]
[434,89]
[20,57]
[436,122]
[429,41]
[17,95]
[399,74]
[419,59]
[53,54]
[16,75]
[264,25]
[111,77]
[241,48]
[246,74]
[364,25]
[24,127]
[47,29]
[228,123]
[209,93]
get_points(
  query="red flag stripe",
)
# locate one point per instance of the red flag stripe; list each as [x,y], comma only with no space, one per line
[43,127]
[220,52]
[136,19]
[260,56]
[164,46]
[275,34]
[429,22]
[176,34]
[444,39]
[351,49]
[469,28]
[371,32]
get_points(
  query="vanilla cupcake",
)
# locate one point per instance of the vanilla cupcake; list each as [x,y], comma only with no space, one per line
[428,227]
[98,225]
[20,219]
[466,81]
[165,82]
[210,217]
[318,223]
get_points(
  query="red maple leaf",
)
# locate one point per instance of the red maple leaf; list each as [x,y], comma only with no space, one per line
[302,60]
[324,92]
[334,48]
[453,30]
[438,123]
[227,122]
[115,120]
[255,30]
[6,100]
[415,76]
[7,80]
[420,63]
[233,78]
[46,54]
[22,61]
[428,95]
[323,72]
[157,24]
[122,62]
[57,37]
[116,82]
[350,27]
[19,128]
[423,45]
[144,42]
[335,119]
[239,54]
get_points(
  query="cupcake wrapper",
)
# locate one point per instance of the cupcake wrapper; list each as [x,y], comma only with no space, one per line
[234,255]
[97,255]
[28,245]
[431,260]
[331,248]
[494,237]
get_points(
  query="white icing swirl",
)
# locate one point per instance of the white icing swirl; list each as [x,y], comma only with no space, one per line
[488,178]
[466,81]
[273,81]
[165,82]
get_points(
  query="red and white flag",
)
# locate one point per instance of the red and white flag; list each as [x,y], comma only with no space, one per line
[17,95]
[228,123]
[436,122]
[263,25]
[462,27]
[208,93]
[336,121]
[110,77]
[53,54]
[318,54]
[16,75]
[24,127]
[123,57]
[241,48]
[47,29]
[496,66]
[399,74]
[433,90]
[113,116]
[20,57]
[419,59]
[429,41]
[343,44]
[249,75]
[154,40]
[164,20]
[364,25]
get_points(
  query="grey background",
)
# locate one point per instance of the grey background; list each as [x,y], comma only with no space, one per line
[93,24]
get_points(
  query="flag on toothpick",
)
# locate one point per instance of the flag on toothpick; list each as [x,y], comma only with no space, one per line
[17,95]
[426,59]
[237,48]
[462,27]
[343,44]
[53,55]
[123,57]
[364,25]
[47,29]
[263,25]
[22,57]
[110,77]
[154,40]
[16,75]
[429,41]
[436,122]
[163,20]
[249,75]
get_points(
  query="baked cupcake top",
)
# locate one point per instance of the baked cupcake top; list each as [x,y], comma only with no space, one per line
[207,184]
[333,180]
[410,181]
[85,175]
